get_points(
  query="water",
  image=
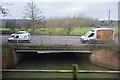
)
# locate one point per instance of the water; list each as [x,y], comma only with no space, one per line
[57,61]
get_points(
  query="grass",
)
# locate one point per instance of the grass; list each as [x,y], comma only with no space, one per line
[56,31]
[61,31]
[80,31]
[4,29]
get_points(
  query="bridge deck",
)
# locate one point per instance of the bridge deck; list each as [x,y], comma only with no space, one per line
[84,48]
[53,51]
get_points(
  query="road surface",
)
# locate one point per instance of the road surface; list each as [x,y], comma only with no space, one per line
[40,39]
[36,39]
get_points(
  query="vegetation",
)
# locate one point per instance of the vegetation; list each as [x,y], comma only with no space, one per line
[67,24]
[3,10]
[35,23]
[33,14]
[11,25]
[58,31]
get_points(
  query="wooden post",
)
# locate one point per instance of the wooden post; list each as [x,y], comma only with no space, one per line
[75,71]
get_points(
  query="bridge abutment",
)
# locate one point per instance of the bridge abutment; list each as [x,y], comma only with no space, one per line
[10,57]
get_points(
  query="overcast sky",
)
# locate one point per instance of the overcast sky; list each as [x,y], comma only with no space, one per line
[62,8]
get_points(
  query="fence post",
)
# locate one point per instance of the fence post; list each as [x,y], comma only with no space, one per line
[75,71]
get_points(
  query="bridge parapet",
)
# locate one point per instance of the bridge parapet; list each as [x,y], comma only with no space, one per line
[31,46]
[22,46]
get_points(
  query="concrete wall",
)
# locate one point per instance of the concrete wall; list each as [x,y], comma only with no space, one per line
[105,58]
[7,57]
[10,58]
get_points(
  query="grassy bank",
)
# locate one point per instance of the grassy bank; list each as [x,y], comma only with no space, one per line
[58,30]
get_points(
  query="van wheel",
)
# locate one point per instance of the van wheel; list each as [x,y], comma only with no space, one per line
[84,42]
[9,41]
[28,41]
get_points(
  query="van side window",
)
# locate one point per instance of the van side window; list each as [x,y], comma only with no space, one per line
[92,34]
[17,36]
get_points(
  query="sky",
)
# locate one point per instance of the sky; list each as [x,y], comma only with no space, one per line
[62,8]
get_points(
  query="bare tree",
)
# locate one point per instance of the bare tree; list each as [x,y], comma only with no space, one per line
[69,24]
[3,10]
[33,13]
[27,24]
[12,25]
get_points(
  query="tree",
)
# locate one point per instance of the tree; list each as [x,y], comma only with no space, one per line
[11,24]
[69,24]
[33,14]
[27,25]
[19,25]
[3,10]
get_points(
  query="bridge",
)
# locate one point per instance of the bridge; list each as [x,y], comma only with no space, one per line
[53,48]
[12,53]
[83,48]
[15,52]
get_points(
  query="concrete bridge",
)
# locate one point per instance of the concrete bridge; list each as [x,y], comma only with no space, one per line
[83,48]
[13,53]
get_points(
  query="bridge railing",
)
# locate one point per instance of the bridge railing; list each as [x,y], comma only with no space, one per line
[74,71]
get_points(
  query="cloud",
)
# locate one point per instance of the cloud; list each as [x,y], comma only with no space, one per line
[74,9]
[60,0]
[63,9]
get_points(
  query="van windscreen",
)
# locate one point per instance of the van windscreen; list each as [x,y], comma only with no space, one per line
[88,33]
[91,35]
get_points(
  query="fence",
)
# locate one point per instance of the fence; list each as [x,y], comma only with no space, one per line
[74,71]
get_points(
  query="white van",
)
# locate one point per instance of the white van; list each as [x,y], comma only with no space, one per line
[21,36]
[98,34]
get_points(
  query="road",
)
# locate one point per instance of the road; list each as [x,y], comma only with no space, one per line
[36,39]
[40,39]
